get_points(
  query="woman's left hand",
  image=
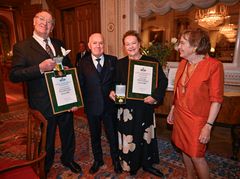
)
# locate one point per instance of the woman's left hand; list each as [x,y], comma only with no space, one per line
[65,67]
[73,109]
[150,100]
[204,137]
[112,95]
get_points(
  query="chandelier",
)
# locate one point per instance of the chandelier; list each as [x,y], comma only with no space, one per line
[229,31]
[211,17]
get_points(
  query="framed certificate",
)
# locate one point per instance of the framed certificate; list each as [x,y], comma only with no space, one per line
[64,91]
[171,78]
[142,79]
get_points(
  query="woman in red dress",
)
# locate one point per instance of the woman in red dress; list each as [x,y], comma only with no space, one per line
[198,94]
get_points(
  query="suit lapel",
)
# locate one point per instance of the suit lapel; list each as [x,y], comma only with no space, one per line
[56,47]
[106,68]
[37,47]
[91,65]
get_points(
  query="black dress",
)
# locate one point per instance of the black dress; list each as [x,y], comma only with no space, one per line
[136,123]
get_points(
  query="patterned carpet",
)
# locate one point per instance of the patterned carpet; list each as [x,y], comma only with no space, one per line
[170,161]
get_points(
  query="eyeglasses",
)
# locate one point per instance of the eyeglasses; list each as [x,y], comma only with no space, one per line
[43,20]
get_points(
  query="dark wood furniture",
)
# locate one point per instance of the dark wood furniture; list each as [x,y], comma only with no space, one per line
[35,140]
[229,116]
[3,100]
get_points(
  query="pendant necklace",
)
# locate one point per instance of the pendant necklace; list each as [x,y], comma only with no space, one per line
[187,74]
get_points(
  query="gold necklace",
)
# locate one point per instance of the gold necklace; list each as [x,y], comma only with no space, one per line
[187,74]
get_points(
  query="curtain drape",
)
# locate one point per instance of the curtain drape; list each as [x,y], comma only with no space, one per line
[145,8]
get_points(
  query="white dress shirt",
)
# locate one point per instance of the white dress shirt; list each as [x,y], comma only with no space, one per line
[40,40]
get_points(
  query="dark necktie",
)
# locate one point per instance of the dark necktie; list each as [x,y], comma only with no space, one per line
[99,66]
[48,49]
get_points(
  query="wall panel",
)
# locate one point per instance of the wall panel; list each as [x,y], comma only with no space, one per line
[77,25]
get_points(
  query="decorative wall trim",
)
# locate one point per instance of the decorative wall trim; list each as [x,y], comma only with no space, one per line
[110,27]
[232,77]
[116,18]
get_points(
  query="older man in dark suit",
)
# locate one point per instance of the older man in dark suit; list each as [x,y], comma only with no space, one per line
[31,58]
[96,76]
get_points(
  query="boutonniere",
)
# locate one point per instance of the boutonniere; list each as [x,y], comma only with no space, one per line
[65,52]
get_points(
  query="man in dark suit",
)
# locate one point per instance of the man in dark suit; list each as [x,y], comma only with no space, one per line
[81,53]
[31,58]
[96,76]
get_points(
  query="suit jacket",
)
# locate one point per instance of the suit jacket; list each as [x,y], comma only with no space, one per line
[27,56]
[96,87]
[78,57]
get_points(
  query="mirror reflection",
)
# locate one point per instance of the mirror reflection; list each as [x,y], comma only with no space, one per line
[220,21]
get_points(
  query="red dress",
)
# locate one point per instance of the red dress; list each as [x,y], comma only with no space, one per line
[192,105]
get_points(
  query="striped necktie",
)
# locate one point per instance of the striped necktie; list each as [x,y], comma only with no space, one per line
[48,48]
[99,66]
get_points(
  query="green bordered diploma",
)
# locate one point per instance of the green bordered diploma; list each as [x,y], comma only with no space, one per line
[142,79]
[64,91]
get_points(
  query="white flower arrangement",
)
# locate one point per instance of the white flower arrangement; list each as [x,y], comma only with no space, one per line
[161,51]
[173,40]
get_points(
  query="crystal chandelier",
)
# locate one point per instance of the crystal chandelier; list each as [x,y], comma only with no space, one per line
[211,17]
[229,31]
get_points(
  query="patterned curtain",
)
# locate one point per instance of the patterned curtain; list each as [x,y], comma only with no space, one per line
[145,8]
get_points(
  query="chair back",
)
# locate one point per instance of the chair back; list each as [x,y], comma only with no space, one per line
[36,139]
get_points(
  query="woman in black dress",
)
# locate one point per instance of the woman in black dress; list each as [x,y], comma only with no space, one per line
[136,119]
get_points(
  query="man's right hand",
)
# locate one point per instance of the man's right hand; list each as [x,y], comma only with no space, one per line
[47,65]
